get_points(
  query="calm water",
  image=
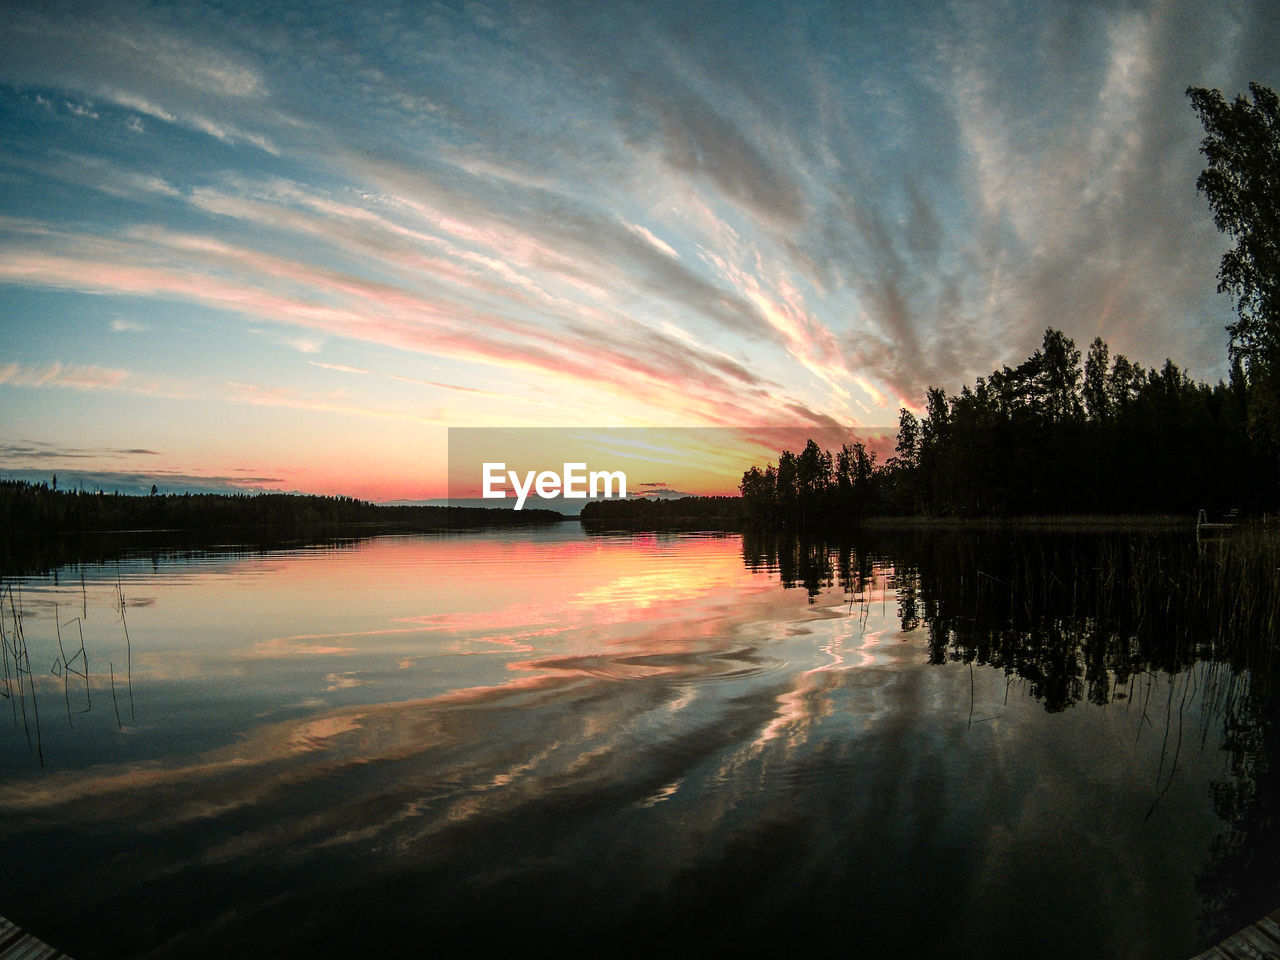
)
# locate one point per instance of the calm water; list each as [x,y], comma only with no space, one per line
[553,740]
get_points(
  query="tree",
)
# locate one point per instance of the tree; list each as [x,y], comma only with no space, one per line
[1061,373]
[1124,382]
[1242,146]
[1096,400]
[786,484]
[759,490]
[864,468]
[1242,185]
[908,447]
[844,480]
[813,479]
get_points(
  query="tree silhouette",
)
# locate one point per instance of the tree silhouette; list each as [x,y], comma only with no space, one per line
[1042,437]
[1242,185]
[908,447]
[1061,373]
[1096,399]
[814,477]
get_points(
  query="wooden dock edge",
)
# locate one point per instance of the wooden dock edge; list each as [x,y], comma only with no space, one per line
[1258,941]
[18,945]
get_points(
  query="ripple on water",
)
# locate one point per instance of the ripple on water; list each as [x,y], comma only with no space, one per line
[687,667]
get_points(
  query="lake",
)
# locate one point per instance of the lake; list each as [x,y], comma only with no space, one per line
[928,745]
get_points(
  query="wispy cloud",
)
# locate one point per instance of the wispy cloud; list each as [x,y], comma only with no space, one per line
[338,403]
[344,368]
[36,450]
[71,376]
[607,352]
[627,211]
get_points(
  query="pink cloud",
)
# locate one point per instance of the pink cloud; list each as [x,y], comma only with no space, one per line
[89,377]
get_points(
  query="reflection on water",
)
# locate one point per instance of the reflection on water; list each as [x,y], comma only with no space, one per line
[922,746]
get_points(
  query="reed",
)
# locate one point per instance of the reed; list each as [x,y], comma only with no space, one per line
[19,687]
[121,604]
[77,665]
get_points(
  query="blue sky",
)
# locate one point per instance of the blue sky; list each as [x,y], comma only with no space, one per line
[289,245]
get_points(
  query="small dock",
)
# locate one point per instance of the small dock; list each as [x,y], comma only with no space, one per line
[1258,941]
[17,945]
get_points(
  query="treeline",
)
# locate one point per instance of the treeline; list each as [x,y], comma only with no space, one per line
[814,487]
[28,509]
[1052,435]
[646,513]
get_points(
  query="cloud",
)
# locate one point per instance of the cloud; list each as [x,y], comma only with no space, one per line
[479,269]
[154,261]
[698,141]
[89,377]
[34,450]
[737,218]
[659,244]
[1090,222]
[300,343]
[339,403]
[345,368]
[81,109]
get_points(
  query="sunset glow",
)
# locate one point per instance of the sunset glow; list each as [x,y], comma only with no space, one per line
[285,248]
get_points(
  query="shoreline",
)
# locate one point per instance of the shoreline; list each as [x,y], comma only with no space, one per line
[1061,522]
[1048,521]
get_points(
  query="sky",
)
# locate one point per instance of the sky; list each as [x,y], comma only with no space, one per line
[288,246]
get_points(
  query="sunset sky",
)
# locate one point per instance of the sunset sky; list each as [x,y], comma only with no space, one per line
[287,245]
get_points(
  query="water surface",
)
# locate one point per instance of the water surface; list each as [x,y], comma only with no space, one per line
[549,740]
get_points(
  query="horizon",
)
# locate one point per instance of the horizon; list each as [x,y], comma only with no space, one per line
[287,249]
[569,510]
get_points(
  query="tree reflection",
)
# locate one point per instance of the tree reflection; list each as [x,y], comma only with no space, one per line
[1239,880]
[1082,616]
[810,562]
